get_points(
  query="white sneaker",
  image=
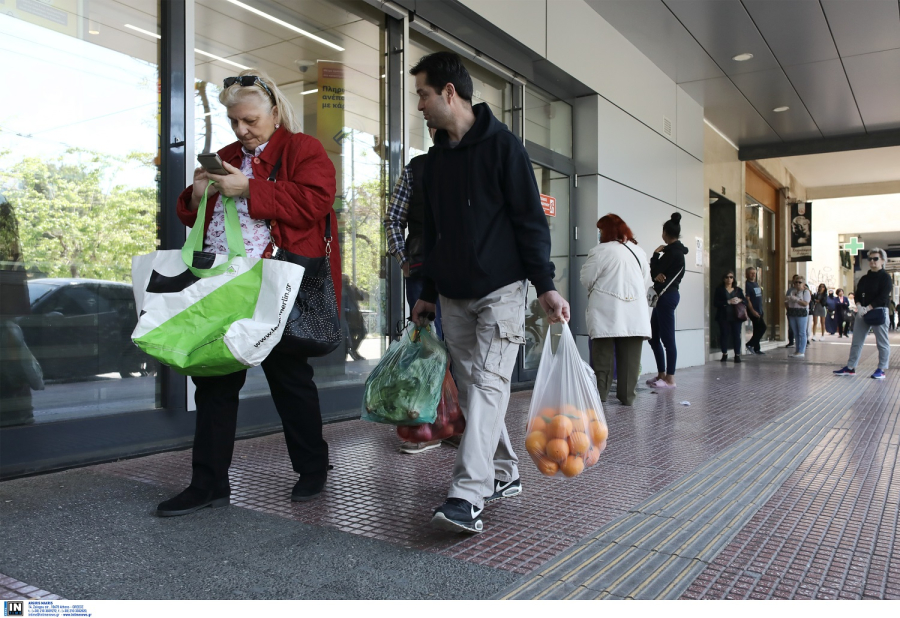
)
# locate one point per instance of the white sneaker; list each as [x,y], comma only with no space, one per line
[798,355]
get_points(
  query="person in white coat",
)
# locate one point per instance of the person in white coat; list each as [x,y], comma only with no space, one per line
[617,276]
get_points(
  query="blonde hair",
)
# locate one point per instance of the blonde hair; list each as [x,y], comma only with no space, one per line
[236,93]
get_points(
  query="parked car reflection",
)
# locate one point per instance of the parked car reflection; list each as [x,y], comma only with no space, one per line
[82,327]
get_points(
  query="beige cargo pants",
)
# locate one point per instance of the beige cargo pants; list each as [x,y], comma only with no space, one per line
[483,337]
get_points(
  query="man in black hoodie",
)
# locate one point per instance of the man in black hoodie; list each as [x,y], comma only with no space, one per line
[485,233]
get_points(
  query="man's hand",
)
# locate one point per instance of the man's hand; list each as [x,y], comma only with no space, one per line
[554,305]
[753,312]
[424,312]
[235,184]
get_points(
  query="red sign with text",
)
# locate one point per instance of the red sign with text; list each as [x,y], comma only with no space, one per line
[549,204]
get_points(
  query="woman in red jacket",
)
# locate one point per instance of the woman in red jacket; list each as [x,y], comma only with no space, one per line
[289,213]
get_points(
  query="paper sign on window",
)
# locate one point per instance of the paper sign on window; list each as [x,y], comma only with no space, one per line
[549,204]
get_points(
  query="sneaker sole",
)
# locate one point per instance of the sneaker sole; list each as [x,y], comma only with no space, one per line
[441,522]
[845,375]
[410,451]
[878,377]
[218,503]
[516,491]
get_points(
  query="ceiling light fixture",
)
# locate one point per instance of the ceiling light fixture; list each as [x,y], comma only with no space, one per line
[199,51]
[742,57]
[286,25]
[93,32]
[309,91]
[783,108]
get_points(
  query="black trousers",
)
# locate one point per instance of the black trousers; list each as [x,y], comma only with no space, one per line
[296,398]
[730,332]
[759,329]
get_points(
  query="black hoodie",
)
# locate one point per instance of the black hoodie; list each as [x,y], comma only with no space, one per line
[668,262]
[484,224]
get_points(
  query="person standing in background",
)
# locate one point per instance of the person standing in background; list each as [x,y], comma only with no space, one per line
[841,305]
[797,303]
[819,311]
[667,271]
[726,296]
[755,311]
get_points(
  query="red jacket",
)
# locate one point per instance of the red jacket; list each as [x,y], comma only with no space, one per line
[296,203]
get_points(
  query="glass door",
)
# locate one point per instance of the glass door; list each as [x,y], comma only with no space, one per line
[759,244]
[555,188]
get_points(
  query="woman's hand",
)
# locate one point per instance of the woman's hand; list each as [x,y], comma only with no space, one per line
[659,248]
[735,301]
[201,180]
[661,278]
[235,184]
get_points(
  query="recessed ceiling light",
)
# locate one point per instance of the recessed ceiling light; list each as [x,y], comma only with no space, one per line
[783,108]
[742,57]
[93,32]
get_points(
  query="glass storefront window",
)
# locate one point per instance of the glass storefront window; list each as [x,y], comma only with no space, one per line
[79,150]
[759,249]
[334,78]
[556,185]
[548,121]
[486,88]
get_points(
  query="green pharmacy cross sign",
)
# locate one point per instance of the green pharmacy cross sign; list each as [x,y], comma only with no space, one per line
[854,245]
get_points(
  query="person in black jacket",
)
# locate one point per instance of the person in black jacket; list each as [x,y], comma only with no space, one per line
[873,293]
[727,295]
[667,271]
[485,234]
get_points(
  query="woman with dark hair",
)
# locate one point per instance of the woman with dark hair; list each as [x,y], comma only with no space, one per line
[819,311]
[841,306]
[617,275]
[666,271]
[727,295]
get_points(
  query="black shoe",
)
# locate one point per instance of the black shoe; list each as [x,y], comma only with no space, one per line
[309,486]
[790,344]
[458,515]
[505,489]
[724,358]
[192,499]
[737,358]
[750,350]
[759,352]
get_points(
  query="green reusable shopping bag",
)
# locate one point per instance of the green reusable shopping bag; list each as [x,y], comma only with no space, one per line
[217,319]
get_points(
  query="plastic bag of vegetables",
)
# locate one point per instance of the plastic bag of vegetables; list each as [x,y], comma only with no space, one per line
[405,387]
[449,421]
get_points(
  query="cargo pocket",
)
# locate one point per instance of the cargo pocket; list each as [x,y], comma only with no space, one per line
[504,348]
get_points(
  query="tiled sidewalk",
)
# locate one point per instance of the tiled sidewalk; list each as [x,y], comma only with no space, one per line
[829,531]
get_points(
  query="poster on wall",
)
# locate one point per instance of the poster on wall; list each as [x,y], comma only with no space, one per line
[801,232]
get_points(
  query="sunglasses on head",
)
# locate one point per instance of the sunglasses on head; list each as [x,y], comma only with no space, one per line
[246,81]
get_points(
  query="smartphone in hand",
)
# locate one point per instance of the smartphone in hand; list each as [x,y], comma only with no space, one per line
[212,163]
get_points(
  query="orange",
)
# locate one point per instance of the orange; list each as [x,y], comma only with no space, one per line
[569,410]
[578,443]
[559,427]
[593,455]
[547,467]
[579,423]
[573,466]
[601,448]
[535,443]
[537,424]
[557,450]
[591,415]
[547,413]
[599,432]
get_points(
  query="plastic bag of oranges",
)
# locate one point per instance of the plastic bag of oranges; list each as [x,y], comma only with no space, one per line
[566,428]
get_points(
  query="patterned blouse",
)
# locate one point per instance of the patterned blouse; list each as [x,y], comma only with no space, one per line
[255,231]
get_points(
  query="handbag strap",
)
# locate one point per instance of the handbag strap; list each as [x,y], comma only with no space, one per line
[640,267]
[671,282]
[328,237]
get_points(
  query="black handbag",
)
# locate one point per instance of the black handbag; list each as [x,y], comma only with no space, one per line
[875,316]
[314,325]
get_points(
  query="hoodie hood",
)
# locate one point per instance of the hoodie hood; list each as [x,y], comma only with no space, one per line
[486,125]
[675,247]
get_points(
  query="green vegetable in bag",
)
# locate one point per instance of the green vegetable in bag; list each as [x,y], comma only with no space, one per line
[405,387]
